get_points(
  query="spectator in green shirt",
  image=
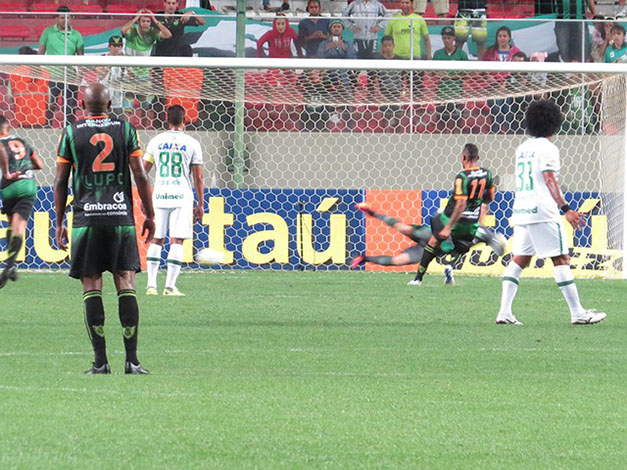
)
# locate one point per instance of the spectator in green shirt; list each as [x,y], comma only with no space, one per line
[616,51]
[141,34]
[401,26]
[450,86]
[61,39]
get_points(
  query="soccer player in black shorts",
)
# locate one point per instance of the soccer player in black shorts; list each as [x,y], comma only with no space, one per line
[473,191]
[98,151]
[19,190]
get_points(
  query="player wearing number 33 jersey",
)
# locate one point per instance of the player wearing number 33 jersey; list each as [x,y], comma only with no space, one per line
[538,227]
[177,158]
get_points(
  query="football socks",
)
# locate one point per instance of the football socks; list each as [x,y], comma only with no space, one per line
[566,282]
[153,259]
[175,259]
[129,318]
[511,278]
[14,248]
[94,321]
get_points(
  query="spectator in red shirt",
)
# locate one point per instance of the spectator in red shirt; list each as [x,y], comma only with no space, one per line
[280,39]
[501,51]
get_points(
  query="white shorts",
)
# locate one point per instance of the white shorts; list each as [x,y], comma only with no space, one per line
[544,239]
[177,221]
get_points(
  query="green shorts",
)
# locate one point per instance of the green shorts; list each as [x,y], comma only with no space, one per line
[103,248]
[19,198]
[462,234]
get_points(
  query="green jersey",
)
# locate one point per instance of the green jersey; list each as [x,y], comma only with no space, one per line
[59,42]
[450,88]
[476,186]
[140,43]
[99,149]
[19,154]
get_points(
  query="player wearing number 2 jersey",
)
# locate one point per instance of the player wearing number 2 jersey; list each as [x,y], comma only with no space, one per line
[101,152]
[538,227]
[177,158]
[474,189]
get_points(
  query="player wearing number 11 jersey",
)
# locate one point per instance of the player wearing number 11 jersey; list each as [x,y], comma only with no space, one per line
[474,189]
[177,158]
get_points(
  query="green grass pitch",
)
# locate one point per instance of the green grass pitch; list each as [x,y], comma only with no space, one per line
[315,370]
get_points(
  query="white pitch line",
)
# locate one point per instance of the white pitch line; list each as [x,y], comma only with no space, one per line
[27,388]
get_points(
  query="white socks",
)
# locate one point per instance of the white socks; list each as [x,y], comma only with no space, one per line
[566,282]
[153,259]
[510,287]
[175,259]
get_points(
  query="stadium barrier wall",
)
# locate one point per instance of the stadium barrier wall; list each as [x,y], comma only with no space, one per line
[406,168]
[291,229]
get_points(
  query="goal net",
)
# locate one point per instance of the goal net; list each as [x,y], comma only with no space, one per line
[290,146]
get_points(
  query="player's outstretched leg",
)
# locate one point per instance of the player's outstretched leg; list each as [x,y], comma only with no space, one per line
[129,318]
[493,239]
[16,240]
[94,321]
[175,260]
[409,256]
[366,209]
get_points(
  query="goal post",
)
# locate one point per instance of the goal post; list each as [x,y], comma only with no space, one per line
[321,135]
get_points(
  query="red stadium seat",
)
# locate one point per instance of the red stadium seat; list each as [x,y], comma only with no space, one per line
[14,6]
[15,32]
[121,8]
[44,7]
[87,8]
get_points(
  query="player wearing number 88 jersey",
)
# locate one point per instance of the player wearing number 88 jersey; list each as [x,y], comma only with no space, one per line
[177,158]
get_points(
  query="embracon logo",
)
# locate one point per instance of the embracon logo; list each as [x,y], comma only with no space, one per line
[118,197]
[98,206]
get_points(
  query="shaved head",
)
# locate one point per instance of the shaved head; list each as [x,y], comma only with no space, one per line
[96,99]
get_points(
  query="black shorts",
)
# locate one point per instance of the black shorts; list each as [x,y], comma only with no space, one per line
[22,206]
[462,241]
[103,248]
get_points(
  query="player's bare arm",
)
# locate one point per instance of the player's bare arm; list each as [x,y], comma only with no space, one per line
[4,163]
[573,217]
[485,209]
[199,186]
[143,188]
[37,163]
[60,200]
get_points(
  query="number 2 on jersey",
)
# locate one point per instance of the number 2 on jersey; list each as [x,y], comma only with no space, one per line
[98,164]
[524,181]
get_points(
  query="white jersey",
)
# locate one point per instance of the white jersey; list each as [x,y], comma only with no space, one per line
[173,153]
[533,202]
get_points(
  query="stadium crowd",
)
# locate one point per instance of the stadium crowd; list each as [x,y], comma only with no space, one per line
[367,29]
